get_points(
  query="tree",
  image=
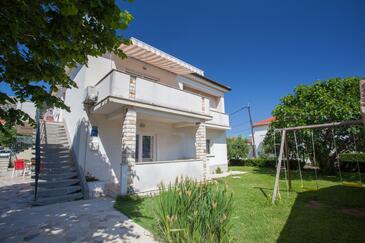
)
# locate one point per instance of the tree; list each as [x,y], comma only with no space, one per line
[322,102]
[7,136]
[40,39]
[238,147]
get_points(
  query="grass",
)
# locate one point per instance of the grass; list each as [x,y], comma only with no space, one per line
[333,214]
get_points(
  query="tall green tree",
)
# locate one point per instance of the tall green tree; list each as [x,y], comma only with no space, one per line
[7,136]
[40,39]
[326,101]
[237,147]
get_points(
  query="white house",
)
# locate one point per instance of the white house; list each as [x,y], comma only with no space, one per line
[260,129]
[146,119]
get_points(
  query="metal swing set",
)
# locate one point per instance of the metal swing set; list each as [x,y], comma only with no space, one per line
[283,163]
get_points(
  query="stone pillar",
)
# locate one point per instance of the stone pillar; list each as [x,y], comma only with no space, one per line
[127,172]
[201,147]
[132,87]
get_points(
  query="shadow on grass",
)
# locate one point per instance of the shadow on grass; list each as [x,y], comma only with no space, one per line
[307,174]
[332,214]
[137,208]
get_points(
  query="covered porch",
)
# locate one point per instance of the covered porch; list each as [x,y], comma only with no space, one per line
[157,147]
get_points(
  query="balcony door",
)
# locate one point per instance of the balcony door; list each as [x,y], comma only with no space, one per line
[145,148]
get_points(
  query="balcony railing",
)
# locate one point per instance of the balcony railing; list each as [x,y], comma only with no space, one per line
[219,118]
[117,84]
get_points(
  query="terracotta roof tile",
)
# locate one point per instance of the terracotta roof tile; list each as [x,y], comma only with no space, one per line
[264,122]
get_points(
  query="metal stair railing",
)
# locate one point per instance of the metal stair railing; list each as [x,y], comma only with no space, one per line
[39,138]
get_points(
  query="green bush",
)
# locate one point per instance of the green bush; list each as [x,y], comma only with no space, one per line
[258,162]
[194,212]
[263,162]
[352,157]
[218,170]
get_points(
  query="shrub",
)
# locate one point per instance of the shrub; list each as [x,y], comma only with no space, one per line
[218,170]
[90,178]
[258,162]
[237,147]
[263,162]
[194,212]
[352,157]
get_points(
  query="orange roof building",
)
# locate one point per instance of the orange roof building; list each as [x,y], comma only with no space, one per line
[264,122]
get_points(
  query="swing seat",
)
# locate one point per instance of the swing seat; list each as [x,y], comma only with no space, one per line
[353,184]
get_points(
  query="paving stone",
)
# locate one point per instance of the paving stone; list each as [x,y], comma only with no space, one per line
[79,221]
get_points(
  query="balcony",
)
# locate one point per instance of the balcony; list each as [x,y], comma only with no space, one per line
[149,94]
[218,119]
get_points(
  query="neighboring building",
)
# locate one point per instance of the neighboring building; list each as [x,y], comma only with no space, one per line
[155,118]
[260,129]
[27,106]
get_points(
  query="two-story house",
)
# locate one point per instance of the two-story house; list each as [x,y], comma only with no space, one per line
[144,120]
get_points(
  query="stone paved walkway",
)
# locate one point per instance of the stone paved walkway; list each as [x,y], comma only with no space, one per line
[79,221]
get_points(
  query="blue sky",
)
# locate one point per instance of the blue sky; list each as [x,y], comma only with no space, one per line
[262,49]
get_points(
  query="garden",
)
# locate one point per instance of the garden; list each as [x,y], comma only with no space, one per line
[334,213]
[321,196]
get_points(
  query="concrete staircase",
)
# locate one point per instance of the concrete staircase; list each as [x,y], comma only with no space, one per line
[362,99]
[58,178]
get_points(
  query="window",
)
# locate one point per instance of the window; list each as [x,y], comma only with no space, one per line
[137,148]
[144,148]
[208,146]
[147,148]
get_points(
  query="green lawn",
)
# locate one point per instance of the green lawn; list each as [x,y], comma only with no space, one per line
[335,213]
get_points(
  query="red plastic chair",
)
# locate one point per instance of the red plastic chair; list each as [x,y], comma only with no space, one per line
[18,165]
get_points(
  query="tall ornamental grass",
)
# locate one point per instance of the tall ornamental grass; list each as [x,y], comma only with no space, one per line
[189,211]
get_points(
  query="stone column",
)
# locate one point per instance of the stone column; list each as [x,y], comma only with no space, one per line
[132,87]
[200,147]
[127,172]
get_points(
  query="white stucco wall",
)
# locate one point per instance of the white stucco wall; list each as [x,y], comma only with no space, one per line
[218,156]
[259,135]
[104,163]
[150,175]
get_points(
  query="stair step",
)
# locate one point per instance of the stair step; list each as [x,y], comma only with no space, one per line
[53,146]
[48,126]
[58,199]
[57,183]
[55,150]
[58,180]
[55,177]
[56,137]
[58,166]
[58,170]
[56,155]
[57,131]
[58,191]
[55,159]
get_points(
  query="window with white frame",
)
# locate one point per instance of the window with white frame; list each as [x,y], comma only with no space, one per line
[145,148]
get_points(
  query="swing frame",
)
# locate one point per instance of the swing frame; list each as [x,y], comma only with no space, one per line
[284,150]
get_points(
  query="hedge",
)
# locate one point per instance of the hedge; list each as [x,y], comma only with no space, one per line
[263,162]
[352,157]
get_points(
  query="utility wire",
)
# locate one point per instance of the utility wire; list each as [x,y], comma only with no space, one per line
[240,109]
